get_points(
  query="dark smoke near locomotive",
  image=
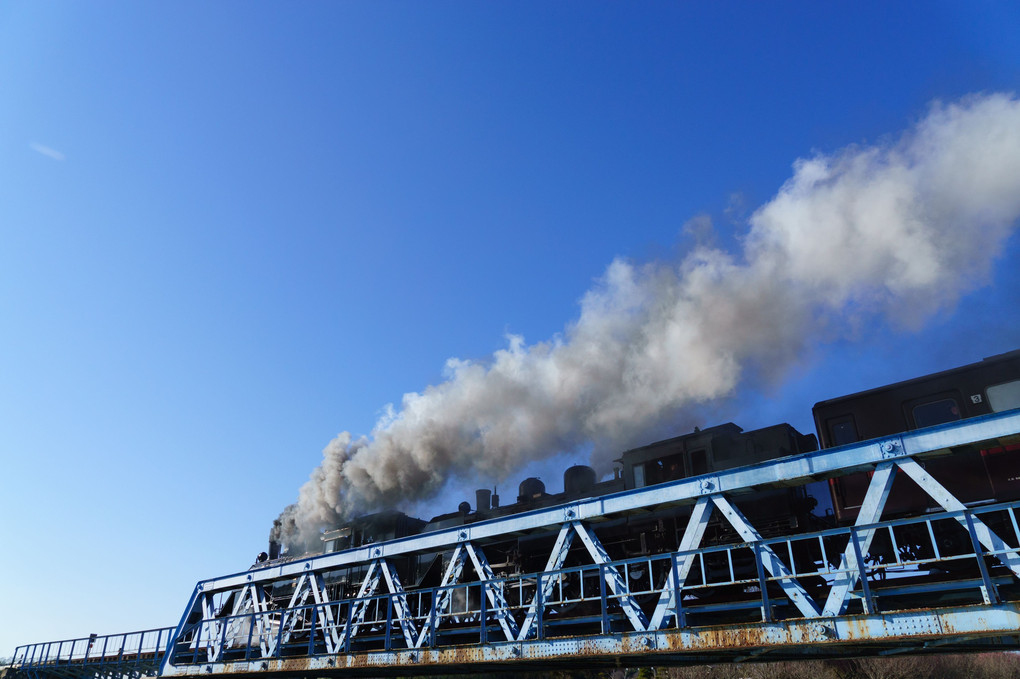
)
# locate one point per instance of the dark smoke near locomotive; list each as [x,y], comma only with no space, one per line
[973,476]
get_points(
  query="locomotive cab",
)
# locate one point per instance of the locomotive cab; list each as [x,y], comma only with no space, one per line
[704,451]
[371,528]
[710,450]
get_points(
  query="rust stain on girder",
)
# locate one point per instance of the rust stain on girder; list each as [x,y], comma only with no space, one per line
[908,628]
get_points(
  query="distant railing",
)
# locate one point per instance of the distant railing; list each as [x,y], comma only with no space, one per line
[137,653]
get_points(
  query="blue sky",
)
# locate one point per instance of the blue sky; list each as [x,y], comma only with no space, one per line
[230,232]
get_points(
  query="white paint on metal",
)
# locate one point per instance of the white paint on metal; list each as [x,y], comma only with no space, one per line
[494,591]
[770,560]
[684,560]
[988,539]
[614,580]
[556,558]
[398,601]
[441,601]
[870,512]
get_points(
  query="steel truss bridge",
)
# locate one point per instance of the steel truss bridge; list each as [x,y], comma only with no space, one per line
[943,581]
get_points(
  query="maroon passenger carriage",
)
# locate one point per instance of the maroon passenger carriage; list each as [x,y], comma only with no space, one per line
[974,476]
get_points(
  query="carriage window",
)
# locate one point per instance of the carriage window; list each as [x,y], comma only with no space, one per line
[843,431]
[699,462]
[936,412]
[639,476]
[1004,396]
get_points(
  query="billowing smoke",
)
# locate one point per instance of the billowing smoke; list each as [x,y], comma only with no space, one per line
[900,229]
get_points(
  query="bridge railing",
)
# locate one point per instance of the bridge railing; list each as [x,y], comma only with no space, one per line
[142,651]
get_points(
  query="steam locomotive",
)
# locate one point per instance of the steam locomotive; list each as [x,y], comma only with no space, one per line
[973,476]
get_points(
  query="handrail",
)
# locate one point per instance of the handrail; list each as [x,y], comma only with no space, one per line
[145,648]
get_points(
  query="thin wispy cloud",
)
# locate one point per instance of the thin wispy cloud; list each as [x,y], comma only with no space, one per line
[47,151]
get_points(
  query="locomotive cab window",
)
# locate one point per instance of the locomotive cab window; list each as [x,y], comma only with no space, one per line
[843,430]
[664,469]
[668,468]
[699,462]
[936,412]
[1005,396]
[639,476]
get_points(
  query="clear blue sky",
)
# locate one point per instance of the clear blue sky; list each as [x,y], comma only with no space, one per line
[229,231]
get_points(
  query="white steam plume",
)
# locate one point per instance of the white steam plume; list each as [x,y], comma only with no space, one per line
[901,229]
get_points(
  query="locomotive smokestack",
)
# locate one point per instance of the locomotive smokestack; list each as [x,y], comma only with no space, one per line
[897,230]
[482,499]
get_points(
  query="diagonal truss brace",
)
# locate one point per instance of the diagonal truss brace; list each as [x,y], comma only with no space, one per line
[309,584]
[769,560]
[988,539]
[221,631]
[494,591]
[684,560]
[252,598]
[849,565]
[555,562]
[212,626]
[378,570]
[455,569]
[613,578]
[324,612]
[682,563]
[399,602]
[290,617]
[442,600]
[871,512]
[356,614]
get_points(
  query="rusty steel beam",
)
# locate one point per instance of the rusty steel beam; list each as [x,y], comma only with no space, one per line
[981,626]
